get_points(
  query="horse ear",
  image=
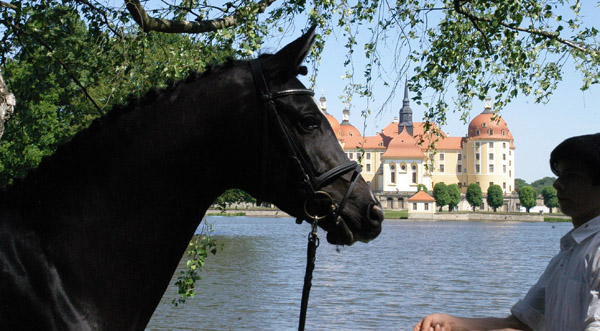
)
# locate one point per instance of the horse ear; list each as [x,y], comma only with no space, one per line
[287,62]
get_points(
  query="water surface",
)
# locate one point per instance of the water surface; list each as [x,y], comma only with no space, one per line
[413,268]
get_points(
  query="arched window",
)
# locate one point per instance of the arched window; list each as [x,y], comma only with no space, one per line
[393,174]
[414,174]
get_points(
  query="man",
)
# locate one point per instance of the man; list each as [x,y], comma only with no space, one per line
[566,297]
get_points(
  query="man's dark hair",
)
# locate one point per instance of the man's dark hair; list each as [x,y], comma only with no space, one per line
[585,149]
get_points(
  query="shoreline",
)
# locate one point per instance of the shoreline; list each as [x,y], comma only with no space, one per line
[444,216]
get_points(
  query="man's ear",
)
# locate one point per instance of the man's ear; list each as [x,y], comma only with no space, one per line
[286,63]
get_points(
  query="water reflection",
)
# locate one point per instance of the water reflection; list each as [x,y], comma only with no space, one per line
[412,268]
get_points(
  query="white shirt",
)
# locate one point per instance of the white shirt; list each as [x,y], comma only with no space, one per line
[566,298]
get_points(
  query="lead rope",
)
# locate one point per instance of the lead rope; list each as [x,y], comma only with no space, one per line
[313,243]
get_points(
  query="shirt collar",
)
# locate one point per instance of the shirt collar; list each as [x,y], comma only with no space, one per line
[581,233]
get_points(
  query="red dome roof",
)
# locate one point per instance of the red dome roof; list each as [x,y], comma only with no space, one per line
[335,125]
[486,126]
[349,130]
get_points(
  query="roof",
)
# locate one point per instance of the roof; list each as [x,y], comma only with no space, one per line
[421,196]
[349,130]
[335,125]
[404,146]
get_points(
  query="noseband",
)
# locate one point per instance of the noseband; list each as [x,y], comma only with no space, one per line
[311,182]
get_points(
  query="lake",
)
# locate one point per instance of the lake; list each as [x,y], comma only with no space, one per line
[412,269]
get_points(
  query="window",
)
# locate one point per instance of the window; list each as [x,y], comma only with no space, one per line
[351,156]
[509,162]
[509,153]
[491,183]
[503,145]
[368,156]
[477,168]
[491,144]
[477,132]
[414,167]
[476,156]
[459,168]
[504,132]
[368,167]
[403,167]
[414,206]
[441,168]
[459,156]
[442,157]
[491,132]
[504,185]
[491,156]
[426,205]
[510,173]
[465,170]
[491,168]
[477,145]
[460,185]
[414,174]
[504,168]
[483,125]
[393,174]
[504,157]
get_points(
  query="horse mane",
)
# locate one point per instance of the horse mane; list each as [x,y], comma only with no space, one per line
[66,152]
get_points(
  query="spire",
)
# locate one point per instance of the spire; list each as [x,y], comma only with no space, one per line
[406,113]
[487,108]
[346,117]
[323,102]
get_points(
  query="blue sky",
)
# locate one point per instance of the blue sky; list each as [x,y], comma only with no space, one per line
[536,128]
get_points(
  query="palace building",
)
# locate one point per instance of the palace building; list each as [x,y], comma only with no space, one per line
[396,160]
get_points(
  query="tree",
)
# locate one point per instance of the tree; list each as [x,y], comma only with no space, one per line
[7,104]
[454,194]
[441,195]
[474,195]
[479,48]
[519,183]
[527,197]
[231,197]
[422,187]
[550,198]
[540,184]
[495,197]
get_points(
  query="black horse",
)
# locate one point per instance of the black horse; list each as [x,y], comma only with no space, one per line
[91,238]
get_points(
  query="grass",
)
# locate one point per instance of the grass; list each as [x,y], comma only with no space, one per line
[556,219]
[227,214]
[395,214]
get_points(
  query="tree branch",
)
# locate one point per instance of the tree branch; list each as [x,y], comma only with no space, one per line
[8,5]
[538,32]
[148,23]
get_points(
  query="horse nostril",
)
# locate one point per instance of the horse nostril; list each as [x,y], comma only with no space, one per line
[375,213]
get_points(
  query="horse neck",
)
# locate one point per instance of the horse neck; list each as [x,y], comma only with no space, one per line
[119,210]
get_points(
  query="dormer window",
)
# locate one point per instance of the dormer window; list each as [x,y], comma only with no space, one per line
[477,132]
[491,132]
[483,125]
[504,132]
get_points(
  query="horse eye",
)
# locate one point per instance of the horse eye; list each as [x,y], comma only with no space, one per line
[309,122]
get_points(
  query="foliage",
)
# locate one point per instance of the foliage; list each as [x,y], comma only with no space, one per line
[467,49]
[527,197]
[474,195]
[441,195]
[550,198]
[231,197]
[540,184]
[519,183]
[422,187]
[495,196]
[454,194]
[198,250]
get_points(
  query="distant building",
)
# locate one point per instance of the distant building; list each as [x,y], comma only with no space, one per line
[397,159]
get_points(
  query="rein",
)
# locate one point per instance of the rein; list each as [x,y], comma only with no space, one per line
[311,182]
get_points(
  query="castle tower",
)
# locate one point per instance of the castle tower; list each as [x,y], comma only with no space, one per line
[406,121]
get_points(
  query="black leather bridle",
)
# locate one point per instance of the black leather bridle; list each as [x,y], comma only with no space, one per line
[318,204]
[310,181]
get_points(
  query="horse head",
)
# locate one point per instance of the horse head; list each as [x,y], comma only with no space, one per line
[303,169]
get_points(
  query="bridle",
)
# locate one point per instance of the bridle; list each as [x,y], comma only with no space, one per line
[310,181]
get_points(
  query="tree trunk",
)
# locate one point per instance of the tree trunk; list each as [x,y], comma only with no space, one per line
[7,104]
